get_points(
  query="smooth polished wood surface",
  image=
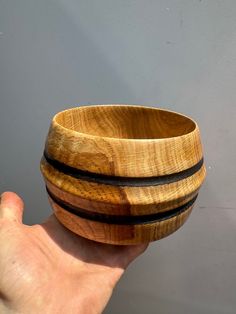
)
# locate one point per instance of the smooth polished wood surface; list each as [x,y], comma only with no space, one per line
[120,234]
[127,161]
[130,141]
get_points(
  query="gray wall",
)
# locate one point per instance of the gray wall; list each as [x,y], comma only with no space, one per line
[178,55]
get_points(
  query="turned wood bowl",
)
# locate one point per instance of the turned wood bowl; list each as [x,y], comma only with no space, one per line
[122,174]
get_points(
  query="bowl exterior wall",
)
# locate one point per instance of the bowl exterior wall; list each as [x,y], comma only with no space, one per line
[122,191]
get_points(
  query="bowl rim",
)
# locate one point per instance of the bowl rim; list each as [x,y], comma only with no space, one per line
[138,140]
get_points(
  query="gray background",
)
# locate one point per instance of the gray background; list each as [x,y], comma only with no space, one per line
[179,55]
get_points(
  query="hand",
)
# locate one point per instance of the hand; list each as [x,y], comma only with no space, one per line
[48,269]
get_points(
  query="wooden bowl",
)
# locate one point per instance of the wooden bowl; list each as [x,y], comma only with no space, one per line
[122,174]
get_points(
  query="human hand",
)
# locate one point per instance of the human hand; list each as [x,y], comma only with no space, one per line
[48,269]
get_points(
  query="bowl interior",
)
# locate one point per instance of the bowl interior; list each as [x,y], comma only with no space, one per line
[127,122]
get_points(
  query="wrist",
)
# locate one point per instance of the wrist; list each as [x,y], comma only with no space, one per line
[97,290]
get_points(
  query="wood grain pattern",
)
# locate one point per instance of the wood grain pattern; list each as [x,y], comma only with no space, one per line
[121,200]
[116,154]
[115,149]
[119,234]
[119,219]
[122,181]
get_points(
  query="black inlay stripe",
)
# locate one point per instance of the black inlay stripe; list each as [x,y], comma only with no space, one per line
[122,181]
[120,219]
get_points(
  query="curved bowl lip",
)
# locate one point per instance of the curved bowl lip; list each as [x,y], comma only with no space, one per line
[118,139]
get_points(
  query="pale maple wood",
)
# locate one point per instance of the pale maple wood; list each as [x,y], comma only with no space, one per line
[128,141]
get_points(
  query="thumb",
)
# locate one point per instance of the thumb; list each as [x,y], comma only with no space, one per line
[11,207]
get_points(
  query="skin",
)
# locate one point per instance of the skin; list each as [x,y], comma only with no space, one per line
[48,269]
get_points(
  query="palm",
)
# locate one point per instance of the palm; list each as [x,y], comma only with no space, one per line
[47,264]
